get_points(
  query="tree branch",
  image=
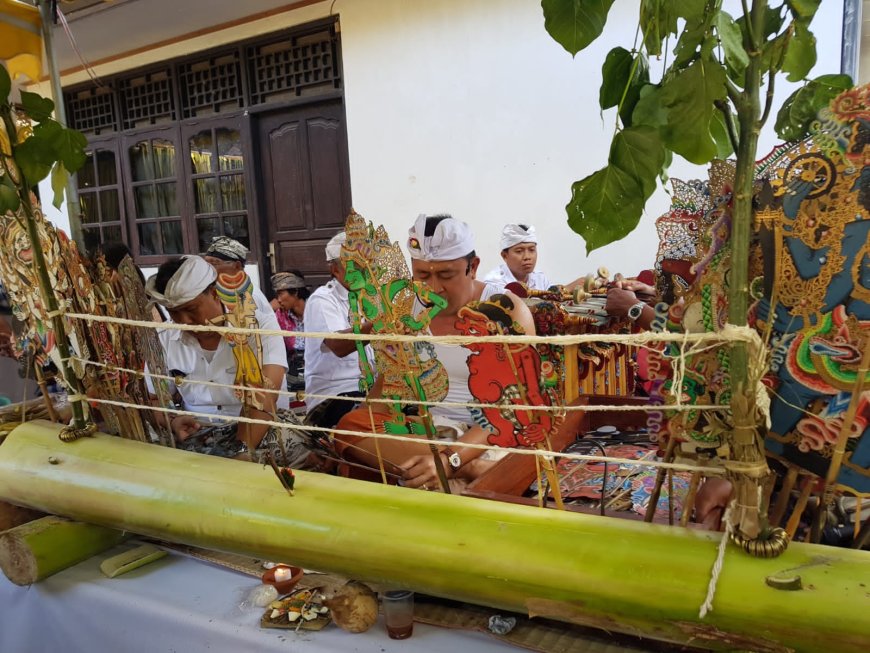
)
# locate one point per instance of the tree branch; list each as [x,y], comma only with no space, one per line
[729,123]
[747,20]
[734,94]
[768,102]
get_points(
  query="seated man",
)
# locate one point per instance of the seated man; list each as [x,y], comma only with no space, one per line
[331,364]
[228,257]
[519,251]
[443,257]
[185,287]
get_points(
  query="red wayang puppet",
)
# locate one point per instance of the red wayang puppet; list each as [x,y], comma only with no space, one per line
[505,374]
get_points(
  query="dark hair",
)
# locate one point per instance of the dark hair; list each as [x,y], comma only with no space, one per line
[301,293]
[114,253]
[524,227]
[165,272]
[433,221]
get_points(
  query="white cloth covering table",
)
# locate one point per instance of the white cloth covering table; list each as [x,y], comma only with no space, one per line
[178,604]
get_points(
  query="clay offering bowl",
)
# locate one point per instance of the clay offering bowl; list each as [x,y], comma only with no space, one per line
[283,577]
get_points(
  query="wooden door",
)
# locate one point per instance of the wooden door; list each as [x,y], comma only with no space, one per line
[305,184]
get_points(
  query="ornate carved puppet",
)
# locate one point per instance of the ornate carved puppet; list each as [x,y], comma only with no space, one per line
[236,293]
[814,222]
[382,292]
[506,374]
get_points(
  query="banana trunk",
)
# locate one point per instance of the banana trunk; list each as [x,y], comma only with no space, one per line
[38,549]
[632,577]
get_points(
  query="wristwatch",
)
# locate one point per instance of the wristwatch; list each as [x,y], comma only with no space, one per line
[635,311]
[453,458]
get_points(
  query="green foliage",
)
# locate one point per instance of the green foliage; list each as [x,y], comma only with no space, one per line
[9,200]
[716,67]
[610,192]
[51,148]
[575,23]
[802,106]
[5,83]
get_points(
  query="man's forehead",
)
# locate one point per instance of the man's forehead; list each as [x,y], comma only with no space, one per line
[193,303]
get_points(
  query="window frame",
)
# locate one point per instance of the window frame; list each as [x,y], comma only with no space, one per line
[108,143]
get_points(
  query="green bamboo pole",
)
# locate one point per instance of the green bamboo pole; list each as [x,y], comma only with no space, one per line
[38,549]
[614,574]
[45,289]
[746,442]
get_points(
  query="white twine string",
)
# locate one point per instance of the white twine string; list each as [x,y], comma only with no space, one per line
[411,402]
[707,606]
[710,470]
[730,333]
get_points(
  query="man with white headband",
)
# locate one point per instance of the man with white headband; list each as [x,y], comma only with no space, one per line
[443,257]
[185,287]
[228,257]
[519,251]
[331,364]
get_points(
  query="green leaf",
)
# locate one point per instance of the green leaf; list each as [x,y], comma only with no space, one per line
[658,19]
[36,106]
[9,200]
[691,9]
[639,152]
[689,98]
[5,84]
[802,106]
[34,157]
[772,23]
[59,178]
[640,79]
[773,52]
[605,207]
[804,8]
[800,54]
[69,146]
[574,24]
[649,109]
[614,77]
[720,135]
[732,41]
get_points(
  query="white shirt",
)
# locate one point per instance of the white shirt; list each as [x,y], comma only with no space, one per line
[502,274]
[183,353]
[261,303]
[454,359]
[327,311]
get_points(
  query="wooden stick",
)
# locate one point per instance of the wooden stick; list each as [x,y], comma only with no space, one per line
[784,494]
[38,549]
[795,519]
[689,503]
[660,478]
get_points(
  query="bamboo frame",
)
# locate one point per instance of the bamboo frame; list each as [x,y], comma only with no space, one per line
[575,568]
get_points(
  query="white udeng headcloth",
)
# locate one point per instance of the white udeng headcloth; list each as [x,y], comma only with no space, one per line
[514,234]
[188,282]
[452,239]
[333,247]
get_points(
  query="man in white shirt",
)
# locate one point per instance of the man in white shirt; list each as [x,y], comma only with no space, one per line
[228,257]
[519,251]
[186,288]
[331,364]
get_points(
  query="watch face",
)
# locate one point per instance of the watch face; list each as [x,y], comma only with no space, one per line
[454,460]
[635,311]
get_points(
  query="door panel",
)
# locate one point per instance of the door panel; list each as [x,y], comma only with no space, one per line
[306,184]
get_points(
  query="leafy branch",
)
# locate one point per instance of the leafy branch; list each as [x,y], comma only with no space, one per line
[695,109]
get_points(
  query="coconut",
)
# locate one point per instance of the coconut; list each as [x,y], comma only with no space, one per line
[354,607]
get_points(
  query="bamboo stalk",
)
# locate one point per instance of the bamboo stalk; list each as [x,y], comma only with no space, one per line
[660,478]
[795,519]
[571,567]
[38,549]
[691,493]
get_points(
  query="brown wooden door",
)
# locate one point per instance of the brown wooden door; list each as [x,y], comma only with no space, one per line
[305,184]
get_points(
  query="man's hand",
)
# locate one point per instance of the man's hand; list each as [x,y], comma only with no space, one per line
[619,301]
[642,290]
[184,426]
[420,472]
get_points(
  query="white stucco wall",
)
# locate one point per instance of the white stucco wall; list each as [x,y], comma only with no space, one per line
[457,106]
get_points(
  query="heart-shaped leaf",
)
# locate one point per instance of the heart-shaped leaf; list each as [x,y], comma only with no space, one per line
[800,54]
[639,152]
[36,106]
[605,207]
[574,24]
